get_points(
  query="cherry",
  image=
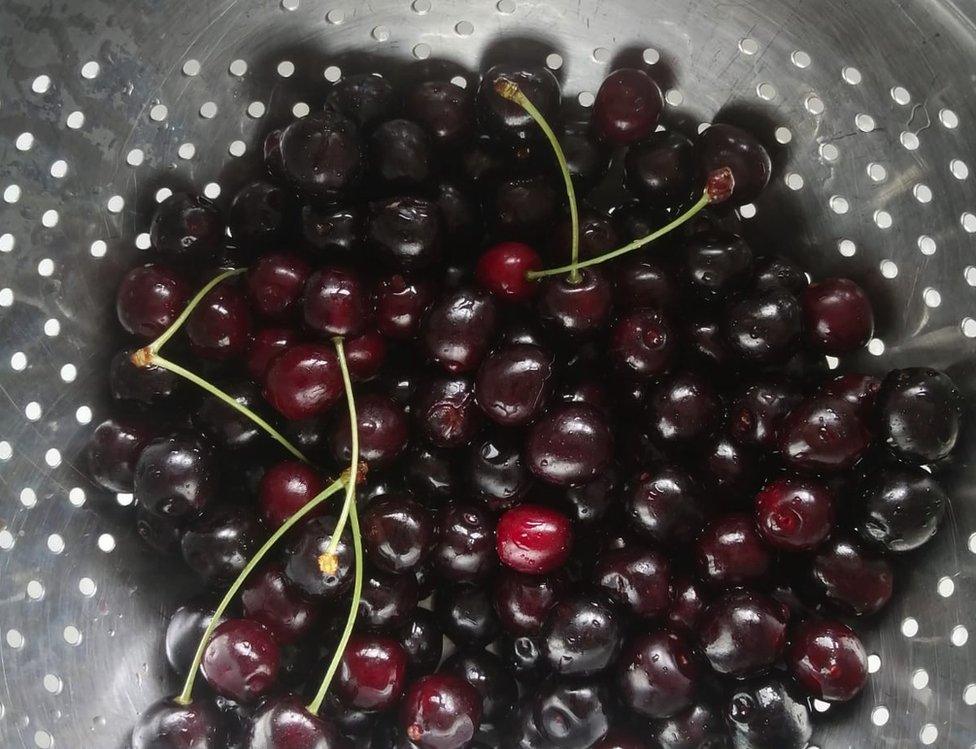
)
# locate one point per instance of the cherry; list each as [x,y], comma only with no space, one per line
[705,340]
[169,725]
[683,409]
[860,390]
[850,579]
[597,235]
[465,550]
[219,545]
[285,488]
[440,711]
[305,554]
[405,232]
[283,722]
[899,508]
[487,673]
[582,636]
[275,283]
[824,434]
[241,660]
[431,472]
[335,302]
[513,384]
[729,466]
[920,413]
[666,505]
[524,656]
[270,599]
[459,329]
[688,602]
[571,444]
[266,344]
[258,213]
[795,514]
[726,146]
[524,207]
[576,309]
[765,714]
[586,160]
[658,674]
[149,299]
[627,107]
[149,385]
[496,473]
[446,413]
[226,426]
[444,110]
[731,552]
[619,738]
[637,577]
[219,327]
[764,328]
[743,632]
[400,305]
[162,534]
[333,233]
[400,153]
[186,627]
[716,263]
[573,714]
[466,615]
[383,432]
[589,503]
[643,343]
[837,316]
[502,267]
[304,381]
[372,673]
[777,272]
[186,228]
[533,539]
[506,118]
[522,601]
[114,450]
[365,355]
[661,169]
[758,410]
[365,98]
[398,533]
[176,476]
[271,153]
[387,601]
[828,659]
[461,214]
[642,282]
[322,155]
[699,726]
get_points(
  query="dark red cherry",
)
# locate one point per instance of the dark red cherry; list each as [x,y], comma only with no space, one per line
[777,272]
[461,214]
[322,155]
[571,444]
[388,601]
[114,450]
[258,213]
[285,488]
[620,738]
[837,316]
[642,282]
[795,514]
[365,98]
[176,476]
[699,726]
[365,355]
[643,343]
[586,159]
[446,413]
[729,466]
[444,110]
[220,544]
[758,410]
[307,562]
[400,304]
[661,170]
[589,504]
[335,302]
[573,714]
[860,390]
[241,660]
[487,673]
[283,722]
[683,409]
[219,328]
[333,234]
[275,284]
[169,725]
[636,577]
[496,473]
[576,309]
[920,413]
[431,472]
[716,263]
[383,432]
[186,228]
[899,508]
[522,601]
[828,660]
[851,579]
[149,299]
[731,552]
[627,107]
[502,267]
[506,118]
[688,602]
[440,711]
[743,632]
[658,674]
[400,153]
[766,714]
[705,340]
[184,631]
[459,329]
[269,598]
[824,434]
[764,328]
[533,539]
[597,236]
[422,640]
[160,533]
[582,636]
[466,615]
[372,672]
[513,384]
[666,505]
[150,385]
[465,550]
[266,344]
[405,232]
[524,207]
[726,146]
[226,426]
[304,381]
[398,533]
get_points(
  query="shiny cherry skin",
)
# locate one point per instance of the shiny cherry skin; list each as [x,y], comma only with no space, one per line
[729,146]
[388,601]
[218,546]
[365,355]
[149,299]
[573,714]
[824,434]
[168,725]
[334,233]
[487,673]
[571,444]
[731,552]
[850,578]
[661,169]
[151,385]
[644,343]
[688,602]
[513,384]
[728,466]
[828,659]
[620,738]
[575,309]
[465,550]
[778,272]
[304,381]
[383,432]
[837,316]
[431,472]
[589,504]
[758,409]
[582,636]
[496,472]
[795,514]
[266,344]
[507,119]
[285,488]
[461,214]
[446,412]
[335,302]
[219,328]
[459,328]
[275,284]
[920,414]
[533,539]
[176,476]
[627,107]
[398,533]
[305,565]
[523,207]
[860,390]
[372,672]
[522,601]
[114,449]
[268,597]
[764,328]
[683,409]
[765,713]
[699,726]
[364,98]
[502,267]
[525,657]
[226,426]
[400,303]
[636,577]
[283,722]
[899,509]
[186,228]
[184,631]
[241,660]
[716,263]
[258,213]
[322,155]
[586,159]
[666,505]
[743,632]
[160,533]
[443,110]
[658,674]
[644,283]
[440,711]
[466,615]
[422,640]
[405,233]
[597,235]
[400,153]
[705,340]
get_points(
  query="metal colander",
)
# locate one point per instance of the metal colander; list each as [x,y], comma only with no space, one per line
[105,106]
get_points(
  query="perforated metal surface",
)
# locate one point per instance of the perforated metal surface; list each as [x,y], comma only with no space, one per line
[867,106]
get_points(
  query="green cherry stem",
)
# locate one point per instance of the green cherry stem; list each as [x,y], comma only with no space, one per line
[510,90]
[344,480]
[357,542]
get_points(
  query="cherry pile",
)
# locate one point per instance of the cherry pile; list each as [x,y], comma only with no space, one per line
[628,489]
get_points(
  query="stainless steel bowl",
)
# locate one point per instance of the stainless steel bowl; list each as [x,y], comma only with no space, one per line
[867,106]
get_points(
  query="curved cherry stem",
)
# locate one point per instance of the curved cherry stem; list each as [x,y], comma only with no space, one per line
[350,507]
[510,90]
[347,479]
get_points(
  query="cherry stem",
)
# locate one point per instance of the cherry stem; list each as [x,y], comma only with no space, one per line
[635,245]
[357,589]
[175,368]
[354,431]
[510,90]
[347,479]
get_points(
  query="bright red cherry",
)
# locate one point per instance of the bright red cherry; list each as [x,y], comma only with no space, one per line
[304,381]
[268,598]
[336,302]
[266,344]
[440,711]
[241,660]
[627,107]
[828,659]
[372,673]
[501,270]
[795,514]
[285,488]
[533,539]
[837,316]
